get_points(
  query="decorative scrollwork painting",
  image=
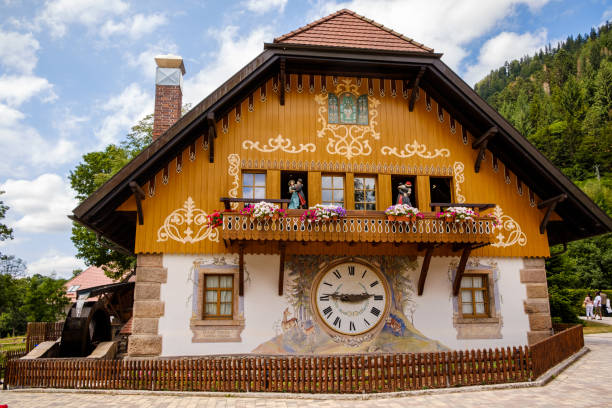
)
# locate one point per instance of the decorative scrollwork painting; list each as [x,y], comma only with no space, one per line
[507,225]
[278,143]
[233,171]
[348,140]
[187,225]
[414,148]
[458,168]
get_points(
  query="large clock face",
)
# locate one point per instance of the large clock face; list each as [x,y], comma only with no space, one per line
[351,298]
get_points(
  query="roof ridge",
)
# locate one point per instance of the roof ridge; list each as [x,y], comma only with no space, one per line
[354,14]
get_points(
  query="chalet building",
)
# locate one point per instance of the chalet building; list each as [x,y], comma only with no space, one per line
[349,114]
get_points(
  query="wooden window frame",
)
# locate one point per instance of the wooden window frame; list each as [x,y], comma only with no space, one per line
[340,175]
[376,191]
[486,287]
[218,290]
[242,185]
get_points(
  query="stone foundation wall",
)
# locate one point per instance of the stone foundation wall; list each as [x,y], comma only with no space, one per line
[537,308]
[145,340]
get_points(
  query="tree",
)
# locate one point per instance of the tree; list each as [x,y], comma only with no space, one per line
[95,169]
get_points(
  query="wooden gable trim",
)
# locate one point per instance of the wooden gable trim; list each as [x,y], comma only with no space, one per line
[415,89]
[550,206]
[139,195]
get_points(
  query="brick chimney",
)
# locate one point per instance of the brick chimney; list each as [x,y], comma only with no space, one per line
[168,92]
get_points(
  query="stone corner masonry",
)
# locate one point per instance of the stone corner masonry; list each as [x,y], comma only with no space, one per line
[145,340]
[537,308]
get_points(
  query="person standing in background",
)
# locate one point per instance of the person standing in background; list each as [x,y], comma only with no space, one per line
[604,303]
[597,306]
[588,305]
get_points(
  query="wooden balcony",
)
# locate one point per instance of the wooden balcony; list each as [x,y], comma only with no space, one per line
[358,226]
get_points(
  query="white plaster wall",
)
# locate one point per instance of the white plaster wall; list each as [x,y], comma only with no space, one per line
[434,314]
[263,307]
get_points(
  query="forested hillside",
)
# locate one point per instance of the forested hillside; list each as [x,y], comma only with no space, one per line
[561,100]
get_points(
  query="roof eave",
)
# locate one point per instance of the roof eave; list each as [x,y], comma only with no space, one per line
[356,50]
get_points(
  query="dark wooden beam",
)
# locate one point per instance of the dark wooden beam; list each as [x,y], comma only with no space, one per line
[481,156]
[461,269]
[486,136]
[282,85]
[425,268]
[212,135]
[139,195]
[241,269]
[550,206]
[281,269]
[415,89]
[481,143]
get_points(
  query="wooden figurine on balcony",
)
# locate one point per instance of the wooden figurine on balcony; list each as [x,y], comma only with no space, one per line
[295,199]
[403,193]
[298,188]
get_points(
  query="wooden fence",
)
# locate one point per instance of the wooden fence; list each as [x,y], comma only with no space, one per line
[5,356]
[552,350]
[37,332]
[311,374]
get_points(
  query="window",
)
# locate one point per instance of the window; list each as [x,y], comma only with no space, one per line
[440,189]
[253,185]
[73,288]
[365,193]
[347,109]
[474,296]
[332,190]
[218,295]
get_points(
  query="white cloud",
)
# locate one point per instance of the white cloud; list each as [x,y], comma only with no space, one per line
[232,54]
[134,27]
[446,25]
[123,112]
[263,6]
[26,148]
[145,60]
[501,48]
[58,14]
[18,51]
[40,205]
[61,265]
[15,90]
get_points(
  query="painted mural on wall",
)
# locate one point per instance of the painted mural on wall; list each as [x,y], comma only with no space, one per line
[299,329]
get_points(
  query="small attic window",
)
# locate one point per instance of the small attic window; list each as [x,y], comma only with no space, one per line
[347,109]
[73,288]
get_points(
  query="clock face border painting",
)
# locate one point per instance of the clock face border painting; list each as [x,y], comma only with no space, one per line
[350,298]
[306,327]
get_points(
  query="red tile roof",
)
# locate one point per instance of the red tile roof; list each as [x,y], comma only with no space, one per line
[90,277]
[345,28]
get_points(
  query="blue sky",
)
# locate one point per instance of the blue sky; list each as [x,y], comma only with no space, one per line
[75,75]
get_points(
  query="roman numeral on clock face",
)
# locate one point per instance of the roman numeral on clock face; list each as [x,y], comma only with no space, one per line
[373,284]
[364,272]
[351,270]
[327,312]
[337,274]
[324,298]
[352,326]
[375,311]
[337,322]
[328,284]
[366,322]
[376,297]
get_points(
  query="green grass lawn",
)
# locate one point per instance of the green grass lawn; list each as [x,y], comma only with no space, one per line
[12,343]
[591,327]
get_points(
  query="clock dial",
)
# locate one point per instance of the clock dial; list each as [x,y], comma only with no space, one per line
[351,298]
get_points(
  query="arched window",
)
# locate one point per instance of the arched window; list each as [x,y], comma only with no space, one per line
[332,108]
[345,109]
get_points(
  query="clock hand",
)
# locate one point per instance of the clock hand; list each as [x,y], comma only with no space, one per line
[349,297]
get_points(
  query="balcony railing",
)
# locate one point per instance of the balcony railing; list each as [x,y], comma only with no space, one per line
[358,226]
